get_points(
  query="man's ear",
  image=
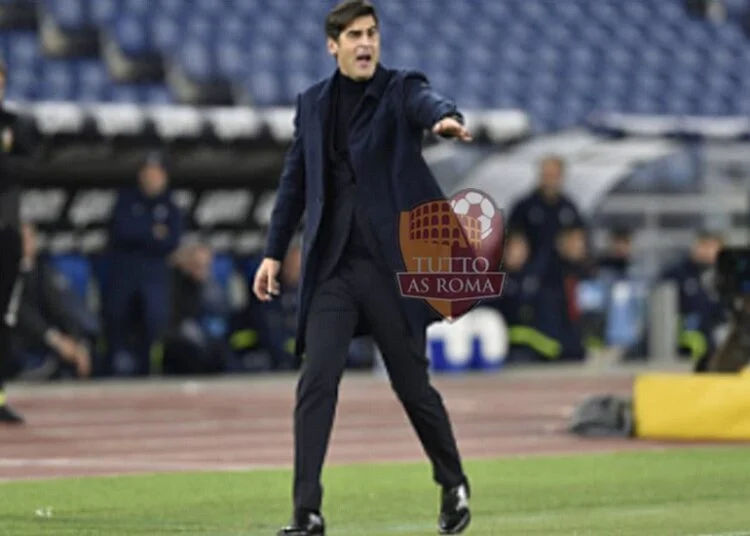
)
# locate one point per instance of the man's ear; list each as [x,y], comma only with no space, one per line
[333,47]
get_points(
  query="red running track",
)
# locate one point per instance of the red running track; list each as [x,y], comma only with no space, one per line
[244,423]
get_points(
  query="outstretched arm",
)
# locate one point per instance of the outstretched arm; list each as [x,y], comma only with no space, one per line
[290,200]
[429,110]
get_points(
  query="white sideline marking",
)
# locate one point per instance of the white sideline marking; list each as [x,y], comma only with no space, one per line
[118,463]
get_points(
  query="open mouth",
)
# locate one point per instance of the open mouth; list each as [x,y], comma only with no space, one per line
[364,59]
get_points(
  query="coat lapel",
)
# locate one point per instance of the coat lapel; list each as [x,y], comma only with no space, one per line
[374,92]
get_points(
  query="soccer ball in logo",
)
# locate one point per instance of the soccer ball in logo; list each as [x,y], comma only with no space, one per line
[478,206]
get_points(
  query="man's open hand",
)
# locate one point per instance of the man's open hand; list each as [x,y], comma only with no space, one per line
[449,127]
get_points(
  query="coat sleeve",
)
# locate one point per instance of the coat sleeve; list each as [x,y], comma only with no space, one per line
[425,106]
[290,199]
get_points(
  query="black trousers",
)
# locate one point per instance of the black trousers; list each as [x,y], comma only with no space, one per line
[357,289]
[10,264]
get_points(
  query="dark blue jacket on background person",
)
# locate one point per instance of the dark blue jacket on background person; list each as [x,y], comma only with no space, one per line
[385,150]
[135,214]
[138,276]
[542,220]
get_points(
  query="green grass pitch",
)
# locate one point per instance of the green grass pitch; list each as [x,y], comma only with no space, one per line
[660,493]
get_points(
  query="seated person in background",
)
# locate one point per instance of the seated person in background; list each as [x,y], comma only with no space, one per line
[517,302]
[51,318]
[146,229]
[514,303]
[196,342]
[701,312]
[616,262]
[552,332]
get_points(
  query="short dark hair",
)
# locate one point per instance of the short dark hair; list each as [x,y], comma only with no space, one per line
[705,235]
[621,233]
[345,13]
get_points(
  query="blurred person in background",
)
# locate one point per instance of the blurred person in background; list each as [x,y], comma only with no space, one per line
[576,266]
[17,146]
[51,318]
[550,221]
[196,342]
[544,212]
[517,302]
[701,311]
[615,263]
[145,230]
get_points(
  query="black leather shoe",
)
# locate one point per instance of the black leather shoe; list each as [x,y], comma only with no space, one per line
[454,510]
[10,416]
[305,524]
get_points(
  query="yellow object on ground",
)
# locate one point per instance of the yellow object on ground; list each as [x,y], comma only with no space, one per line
[692,406]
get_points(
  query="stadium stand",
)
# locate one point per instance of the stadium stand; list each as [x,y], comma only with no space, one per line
[241,51]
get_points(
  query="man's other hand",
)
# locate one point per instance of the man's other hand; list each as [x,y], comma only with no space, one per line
[266,284]
[449,127]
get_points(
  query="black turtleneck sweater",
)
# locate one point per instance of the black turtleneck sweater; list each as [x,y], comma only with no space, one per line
[347,94]
[342,230]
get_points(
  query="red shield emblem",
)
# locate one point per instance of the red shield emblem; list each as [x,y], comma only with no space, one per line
[452,250]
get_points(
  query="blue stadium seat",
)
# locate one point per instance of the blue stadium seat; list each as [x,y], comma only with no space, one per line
[146,93]
[92,80]
[529,53]
[21,50]
[57,82]
[196,59]
[230,59]
[70,15]
[264,87]
[132,35]
[137,8]
[102,13]
[166,33]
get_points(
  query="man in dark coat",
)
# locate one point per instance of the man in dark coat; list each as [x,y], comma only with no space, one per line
[354,164]
[16,145]
[146,229]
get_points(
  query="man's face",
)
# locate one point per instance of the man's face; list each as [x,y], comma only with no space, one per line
[357,50]
[622,248]
[551,177]
[153,180]
[706,251]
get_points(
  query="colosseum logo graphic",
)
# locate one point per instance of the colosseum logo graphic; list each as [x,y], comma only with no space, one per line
[452,250]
